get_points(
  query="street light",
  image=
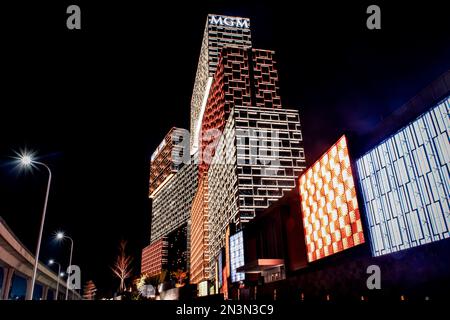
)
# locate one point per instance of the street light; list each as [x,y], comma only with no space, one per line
[52,262]
[61,236]
[26,161]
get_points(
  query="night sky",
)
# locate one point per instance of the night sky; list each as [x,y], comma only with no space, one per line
[95,103]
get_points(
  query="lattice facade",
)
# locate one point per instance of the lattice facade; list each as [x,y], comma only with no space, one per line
[199,234]
[200,90]
[257,159]
[165,160]
[405,182]
[264,79]
[171,206]
[330,210]
[244,77]
[216,36]
[223,197]
[154,257]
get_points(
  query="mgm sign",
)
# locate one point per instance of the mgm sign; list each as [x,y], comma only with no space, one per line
[225,21]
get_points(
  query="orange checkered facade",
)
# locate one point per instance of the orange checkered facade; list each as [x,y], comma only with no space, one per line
[331,217]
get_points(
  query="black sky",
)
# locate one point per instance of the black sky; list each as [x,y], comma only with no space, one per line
[95,103]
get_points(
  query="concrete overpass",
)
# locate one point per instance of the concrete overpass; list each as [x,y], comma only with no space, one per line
[17,260]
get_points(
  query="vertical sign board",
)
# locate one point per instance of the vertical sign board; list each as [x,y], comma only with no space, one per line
[237,256]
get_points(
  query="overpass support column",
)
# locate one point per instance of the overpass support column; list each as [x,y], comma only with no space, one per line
[28,295]
[7,282]
[44,292]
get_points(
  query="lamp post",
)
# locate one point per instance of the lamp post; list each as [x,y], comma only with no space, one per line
[61,236]
[27,161]
[52,262]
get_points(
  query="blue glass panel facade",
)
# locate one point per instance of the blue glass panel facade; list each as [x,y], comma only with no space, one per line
[237,256]
[405,183]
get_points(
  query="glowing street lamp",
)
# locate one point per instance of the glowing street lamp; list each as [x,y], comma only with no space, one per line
[27,161]
[60,274]
[61,236]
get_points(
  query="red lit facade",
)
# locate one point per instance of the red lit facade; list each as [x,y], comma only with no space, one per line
[244,77]
[199,234]
[154,257]
[163,164]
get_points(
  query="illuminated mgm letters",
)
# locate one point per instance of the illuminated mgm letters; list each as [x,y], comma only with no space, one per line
[236,22]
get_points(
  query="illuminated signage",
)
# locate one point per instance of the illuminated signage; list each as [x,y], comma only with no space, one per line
[405,182]
[331,217]
[230,21]
[237,256]
[219,269]
[203,289]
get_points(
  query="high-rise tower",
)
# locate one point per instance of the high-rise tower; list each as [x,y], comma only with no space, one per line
[172,186]
[245,152]
[249,148]
[220,31]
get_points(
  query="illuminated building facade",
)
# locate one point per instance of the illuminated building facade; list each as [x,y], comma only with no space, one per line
[173,183]
[250,208]
[154,257]
[236,86]
[331,216]
[199,234]
[220,32]
[405,182]
[178,249]
[167,159]
[258,158]
[171,206]
[244,77]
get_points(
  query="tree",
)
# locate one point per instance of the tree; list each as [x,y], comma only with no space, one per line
[156,280]
[153,280]
[122,266]
[180,275]
[89,290]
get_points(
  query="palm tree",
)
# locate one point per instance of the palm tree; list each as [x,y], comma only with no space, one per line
[122,266]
